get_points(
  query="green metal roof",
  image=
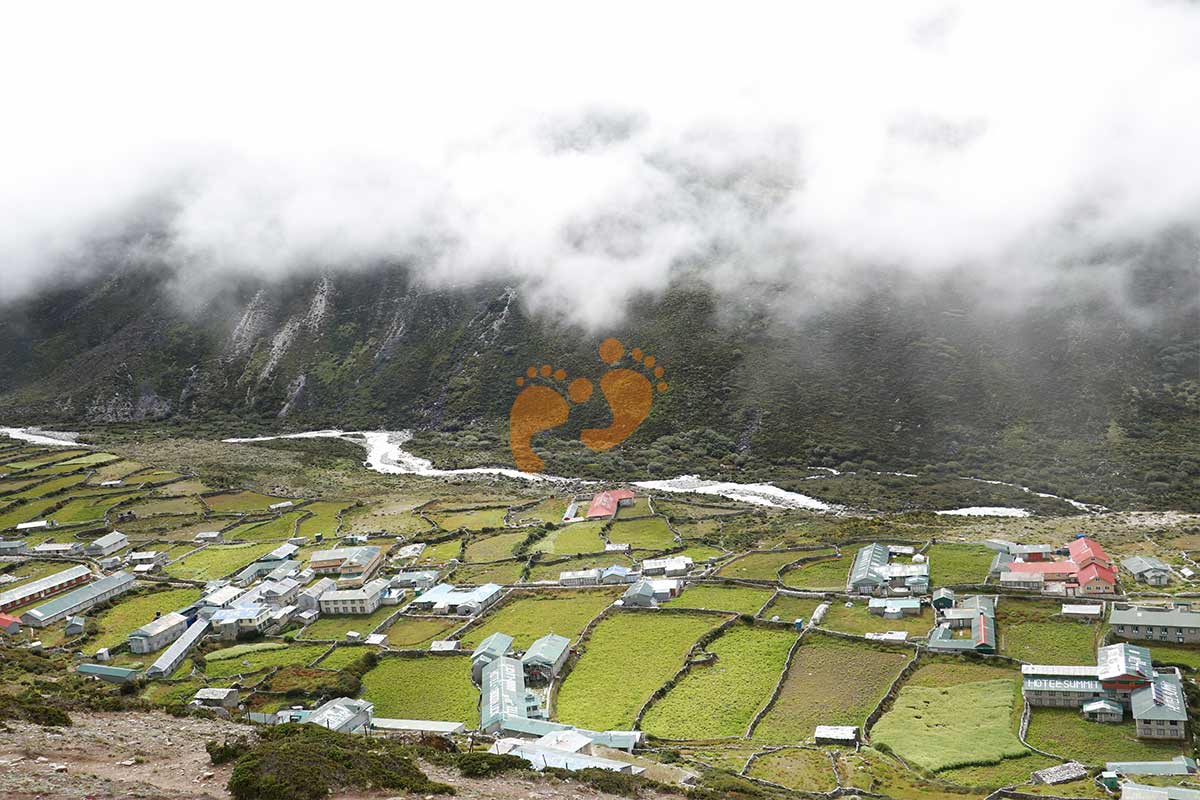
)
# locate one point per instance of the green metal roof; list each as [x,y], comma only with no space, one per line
[548,649]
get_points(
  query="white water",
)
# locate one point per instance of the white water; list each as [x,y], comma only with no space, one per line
[1073,503]
[39,436]
[985,511]
[385,453]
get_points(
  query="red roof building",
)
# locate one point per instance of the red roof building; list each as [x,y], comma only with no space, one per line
[1086,551]
[605,504]
[10,624]
[1053,570]
[1097,579]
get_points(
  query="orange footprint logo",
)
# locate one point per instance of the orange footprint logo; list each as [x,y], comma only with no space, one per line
[541,406]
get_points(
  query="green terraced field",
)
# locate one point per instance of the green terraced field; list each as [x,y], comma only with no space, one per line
[531,615]
[648,533]
[628,657]
[429,687]
[720,699]
[132,612]
[718,597]
[573,539]
[217,561]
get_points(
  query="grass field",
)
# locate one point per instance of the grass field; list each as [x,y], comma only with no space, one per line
[1006,773]
[871,770]
[530,615]
[788,607]
[549,571]
[717,597]
[1031,631]
[573,539]
[760,566]
[952,564]
[401,688]
[828,574]
[495,547]
[415,633]
[803,770]
[48,487]
[343,657]
[501,572]
[323,518]
[132,612]
[279,529]
[240,502]
[262,659]
[242,649]
[15,513]
[336,626]
[548,510]
[701,553]
[1181,655]
[168,505]
[470,519]
[1065,733]
[860,620]
[647,533]
[441,552]
[720,699]
[830,682]
[628,657]
[217,561]
[951,726]
[90,460]
[88,509]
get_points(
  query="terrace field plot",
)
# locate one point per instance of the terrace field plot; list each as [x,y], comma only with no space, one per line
[87,509]
[627,658]
[278,529]
[471,519]
[937,728]
[826,574]
[385,519]
[570,540]
[415,633]
[647,533]
[1034,631]
[1174,655]
[501,572]
[167,506]
[181,488]
[27,571]
[42,459]
[495,547]
[343,657]
[871,770]
[678,509]
[789,607]
[730,690]
[1064,732]
[701,553]
[132,612]
[859,620]
[228,662]
[45,488]
[441,552]
[10,487]
[549,510]
[336,626]
[831,681]
[89,460]
[718,597]
[800,769]
[708,530]
[761,565]
[955,564]
[240,502]
[16,512]
[114,471]
[321,517]
[549,570]
[529,615]
[217,561]
[428,687]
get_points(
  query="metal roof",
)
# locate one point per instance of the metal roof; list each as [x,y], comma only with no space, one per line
[116,537]
[366,592]
[65,603]
[548,649]
[1179,765]
[161,625]
[1062,685]
[1139,564]
[1103,704]
[1162,700]
[166,663]
[1150,615]
[1058,671]
[866,563]
[1116,660]
[494,646]
[41,584]
[503,692]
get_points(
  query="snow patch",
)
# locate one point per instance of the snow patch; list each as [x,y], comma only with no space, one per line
[39,436]
[985,511]
[759,494]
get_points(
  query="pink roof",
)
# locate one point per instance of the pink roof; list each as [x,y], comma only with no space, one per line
[1093,571]
[1044,567]
[7,620]
[605,503]
[1083,549]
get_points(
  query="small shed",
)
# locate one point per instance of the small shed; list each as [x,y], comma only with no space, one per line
[10,624]
[836,734]
[1103,710]
[444,646]
[217,698]
[493,647]
[1086,611]
[640,595]
[943,598]
[1061,773]
[76,626]
[118,675]
[545,658]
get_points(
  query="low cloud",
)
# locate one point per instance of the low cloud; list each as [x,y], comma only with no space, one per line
[589,158]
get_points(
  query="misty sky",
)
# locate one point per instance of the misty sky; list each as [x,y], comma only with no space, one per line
[587,155]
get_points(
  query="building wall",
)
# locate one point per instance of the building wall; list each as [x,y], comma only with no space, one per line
[1058,699]
[1157,633]
[1147,729]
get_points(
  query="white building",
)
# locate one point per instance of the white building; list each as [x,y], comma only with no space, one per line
[157,634]
[107,544]
[308,598]
[364,600]
[579,577]
[675,565]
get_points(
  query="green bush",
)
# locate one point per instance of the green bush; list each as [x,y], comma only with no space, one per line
[485,765]
[306,762]
[224,752]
